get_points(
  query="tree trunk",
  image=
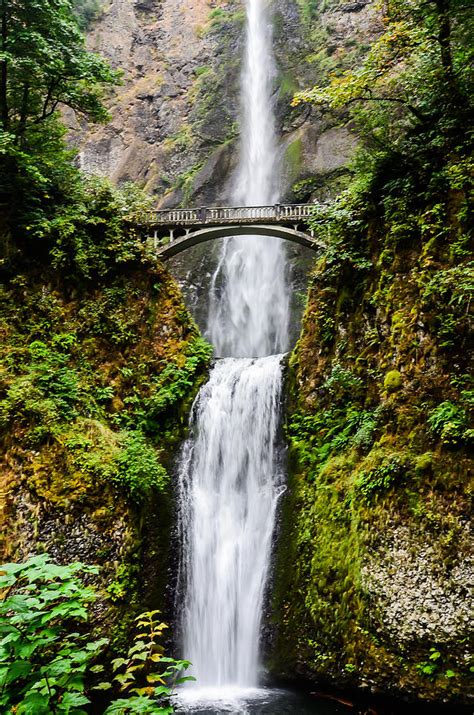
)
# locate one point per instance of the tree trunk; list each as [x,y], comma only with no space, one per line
[4,119]
[444,38]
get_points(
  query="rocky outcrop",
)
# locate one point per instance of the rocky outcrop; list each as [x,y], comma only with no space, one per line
[174,120]
[163,125]
[414,593]
[374,575]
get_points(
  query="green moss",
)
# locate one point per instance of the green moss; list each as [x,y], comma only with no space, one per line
[95,388]
[393,381]
[293,157]
[424,462]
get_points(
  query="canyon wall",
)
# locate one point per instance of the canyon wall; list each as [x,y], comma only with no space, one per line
[174,120]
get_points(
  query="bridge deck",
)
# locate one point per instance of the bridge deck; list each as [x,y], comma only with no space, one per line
[218,215]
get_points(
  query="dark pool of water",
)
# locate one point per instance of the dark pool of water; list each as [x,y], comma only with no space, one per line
[260,702]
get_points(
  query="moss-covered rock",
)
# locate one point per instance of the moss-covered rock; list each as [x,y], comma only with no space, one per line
[374,556]
[393,381]
[96,386]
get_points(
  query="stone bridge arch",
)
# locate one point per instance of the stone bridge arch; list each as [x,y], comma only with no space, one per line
[211,233]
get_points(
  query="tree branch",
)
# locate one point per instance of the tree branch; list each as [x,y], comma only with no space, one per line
[416,113]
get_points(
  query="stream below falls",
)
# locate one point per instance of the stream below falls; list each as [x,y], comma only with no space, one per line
[257,702]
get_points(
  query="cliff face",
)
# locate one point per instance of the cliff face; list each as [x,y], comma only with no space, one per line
[95,391]
[373,584]
[174,126]
[175,118]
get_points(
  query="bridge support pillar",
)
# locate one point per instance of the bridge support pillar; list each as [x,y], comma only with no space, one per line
[155,240]
[171,235]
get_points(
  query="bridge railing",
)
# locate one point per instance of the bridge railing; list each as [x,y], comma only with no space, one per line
[232,214]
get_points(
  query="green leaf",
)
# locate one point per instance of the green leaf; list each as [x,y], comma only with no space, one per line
[34,704]
[18,669]
[73,700]
[102,686]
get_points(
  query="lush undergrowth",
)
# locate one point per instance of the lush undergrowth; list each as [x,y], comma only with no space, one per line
[96,385]
[48,662]
[100,358]
[374,560]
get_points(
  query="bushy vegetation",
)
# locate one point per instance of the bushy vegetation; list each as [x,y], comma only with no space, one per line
[50,664]
[48,210]
[87,11]
[380,406]
[56,392]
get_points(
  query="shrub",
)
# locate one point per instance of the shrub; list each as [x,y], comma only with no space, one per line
[139,469]
[46,660]
[449,422]
[44,657]
[145,676]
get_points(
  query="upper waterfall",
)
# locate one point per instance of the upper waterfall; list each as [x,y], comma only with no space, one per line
[249,303]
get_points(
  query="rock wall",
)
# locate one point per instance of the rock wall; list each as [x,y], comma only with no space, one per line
[374,576]
[174,125]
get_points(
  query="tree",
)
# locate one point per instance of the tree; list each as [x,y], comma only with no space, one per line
[420,62]
[43,655]
[86,11]
[45,65]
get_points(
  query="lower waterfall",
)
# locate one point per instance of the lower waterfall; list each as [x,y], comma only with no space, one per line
[229,485]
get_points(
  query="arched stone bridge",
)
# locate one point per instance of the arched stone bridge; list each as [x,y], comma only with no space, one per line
[284,221]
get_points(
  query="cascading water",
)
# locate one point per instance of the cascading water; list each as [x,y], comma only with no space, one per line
[249,300]
[230,478]
[230,487]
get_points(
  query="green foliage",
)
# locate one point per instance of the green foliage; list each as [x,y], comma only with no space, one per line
[447,296]
[421,39]
[393,287]
[342,383]
[435,666]
[95,233]
[44,656]
[78,377]
[47,657]
[175,383]
[145,675]
[138,468]
[314,438]
[86,11]
[48,393]
[449,421]
[379,479]
[45,65]
[409,100]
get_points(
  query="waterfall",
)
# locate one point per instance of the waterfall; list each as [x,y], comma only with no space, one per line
[249,303]
[230,478]
[230,485]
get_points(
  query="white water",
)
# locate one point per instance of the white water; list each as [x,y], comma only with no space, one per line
[230,479]
[230,485]
[249,300]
